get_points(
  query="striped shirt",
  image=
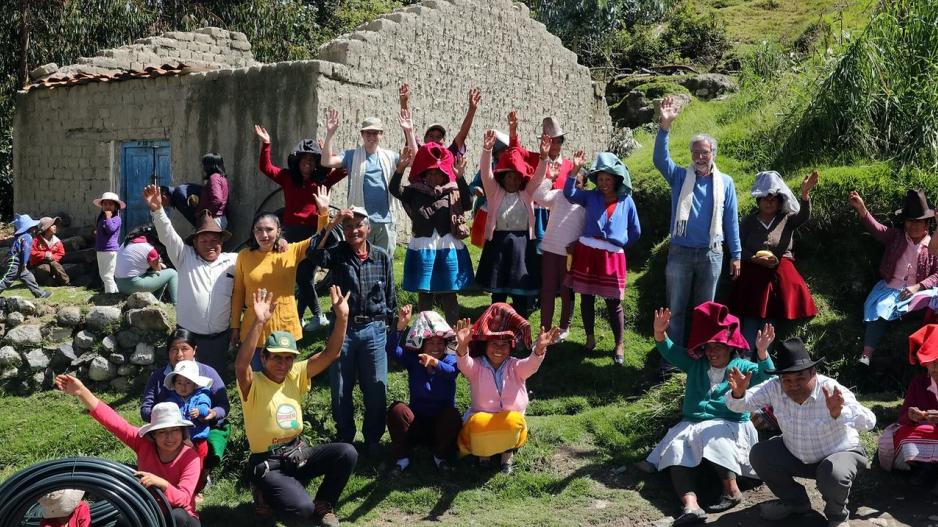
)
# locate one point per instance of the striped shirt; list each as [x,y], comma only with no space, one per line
[808,430]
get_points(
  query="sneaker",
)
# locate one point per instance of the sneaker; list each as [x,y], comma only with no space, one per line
[690,517]
[562,337]
[726,503]
[44,294]
[316,323]
[777,509]
[619,360]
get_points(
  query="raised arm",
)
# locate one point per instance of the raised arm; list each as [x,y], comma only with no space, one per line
[407,127]
[804,200]
[485,162]
[542,161]
[262,310]
[673,353]
[324,358]
[879,231]
[102,413]
[661,156]
[394,186]
[264,164]
[529,365]
[466,364]
[460,139]
[329,158]
[175,247]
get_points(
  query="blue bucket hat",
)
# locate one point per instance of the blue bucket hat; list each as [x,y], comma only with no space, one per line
[610,163]
[22,223]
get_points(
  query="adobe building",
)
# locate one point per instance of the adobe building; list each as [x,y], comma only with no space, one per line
[148,111]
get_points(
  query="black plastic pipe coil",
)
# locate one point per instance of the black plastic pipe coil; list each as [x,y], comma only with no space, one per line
[119,491]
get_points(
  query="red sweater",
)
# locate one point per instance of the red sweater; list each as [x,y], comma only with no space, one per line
[37,253]
[182,473]
[299,207]
[918,396]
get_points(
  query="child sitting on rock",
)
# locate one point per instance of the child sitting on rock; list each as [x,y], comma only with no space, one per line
[46,253]
[13,264]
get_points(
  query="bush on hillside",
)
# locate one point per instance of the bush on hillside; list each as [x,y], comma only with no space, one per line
[658,89]
[695,35]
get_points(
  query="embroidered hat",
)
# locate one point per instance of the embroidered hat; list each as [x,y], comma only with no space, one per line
[430,156]
[372,123]
[164,415]
[207,224]
[923,345]
[915,207]
[792,357]
[770,183]
[60,503]
[611,164]
[501,322]
[110,196]
[22,223]
[429,324]
[712,322]
[46,222]
[281,342]
[190,370]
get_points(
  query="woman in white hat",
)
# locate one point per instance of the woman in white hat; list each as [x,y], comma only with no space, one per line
[165,457]
[65,508]
[107,237]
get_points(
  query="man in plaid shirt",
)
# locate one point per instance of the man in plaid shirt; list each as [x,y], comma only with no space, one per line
[366,272]
[821,423]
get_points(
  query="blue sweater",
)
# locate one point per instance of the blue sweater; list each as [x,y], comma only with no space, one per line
[155,392]
[698,224]
[198,399]
[622,229]
[430,393]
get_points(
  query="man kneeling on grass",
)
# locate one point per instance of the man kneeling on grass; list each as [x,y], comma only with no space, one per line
[821,423]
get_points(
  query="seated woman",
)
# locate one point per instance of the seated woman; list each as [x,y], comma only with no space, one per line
[509,264]
[611,226]
[437,265]
[181,346]
[909,275]
[708,430]
[494,423]
[431,417]
[911,443]
[281,463]
[165,457]
[769,288]
[140,269]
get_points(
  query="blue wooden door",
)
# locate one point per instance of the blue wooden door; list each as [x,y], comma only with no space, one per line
[142,163]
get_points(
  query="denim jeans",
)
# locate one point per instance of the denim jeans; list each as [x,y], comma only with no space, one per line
[363,356]
[692,276]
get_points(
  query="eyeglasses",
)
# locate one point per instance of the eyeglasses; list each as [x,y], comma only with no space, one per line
[701,153]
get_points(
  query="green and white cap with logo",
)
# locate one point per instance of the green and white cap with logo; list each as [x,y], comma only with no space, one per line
[281,342]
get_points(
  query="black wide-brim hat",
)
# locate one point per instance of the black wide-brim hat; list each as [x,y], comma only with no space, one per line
[792,357]
[915,206]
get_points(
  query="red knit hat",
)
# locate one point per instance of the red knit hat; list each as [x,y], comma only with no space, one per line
[712,322]
[501,322]
[429,156]
[923,345]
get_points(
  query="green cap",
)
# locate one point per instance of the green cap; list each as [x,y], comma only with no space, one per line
[281,342]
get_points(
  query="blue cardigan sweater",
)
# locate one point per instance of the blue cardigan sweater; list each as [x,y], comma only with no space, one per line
[622,229]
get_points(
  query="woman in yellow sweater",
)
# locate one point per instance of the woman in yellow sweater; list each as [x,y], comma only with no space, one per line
[261,266]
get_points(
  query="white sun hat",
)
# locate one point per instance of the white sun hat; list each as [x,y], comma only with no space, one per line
[112,197]
[164,415]
[190,370]
[60,503]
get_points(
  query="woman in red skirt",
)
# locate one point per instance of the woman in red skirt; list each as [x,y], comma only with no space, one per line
[599,256]
[769,288]
[912,443]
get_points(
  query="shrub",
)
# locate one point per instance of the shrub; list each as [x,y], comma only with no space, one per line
[697,36]
[658,89]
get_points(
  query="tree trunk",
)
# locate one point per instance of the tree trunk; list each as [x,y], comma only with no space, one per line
[23,69]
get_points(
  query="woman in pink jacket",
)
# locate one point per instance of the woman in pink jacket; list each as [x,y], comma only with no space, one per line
[494,423]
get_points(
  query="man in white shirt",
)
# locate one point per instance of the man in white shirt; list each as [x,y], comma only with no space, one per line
[206,278]
[821,423]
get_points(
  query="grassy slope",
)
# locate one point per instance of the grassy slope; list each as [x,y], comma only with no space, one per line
[587,417]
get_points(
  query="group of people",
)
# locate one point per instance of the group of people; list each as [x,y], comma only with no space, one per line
[548,226]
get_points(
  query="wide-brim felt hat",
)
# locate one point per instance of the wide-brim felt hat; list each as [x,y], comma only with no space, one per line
[110,196]
[792,357]
[22,223]
[915,207]
[712,322]
[923,345]
[208,224]
[164,415]
[550,126]
[501,322]
[60,503]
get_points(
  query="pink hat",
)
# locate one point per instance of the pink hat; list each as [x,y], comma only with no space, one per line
[712,322]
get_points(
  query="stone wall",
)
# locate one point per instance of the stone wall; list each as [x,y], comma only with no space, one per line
[67,140]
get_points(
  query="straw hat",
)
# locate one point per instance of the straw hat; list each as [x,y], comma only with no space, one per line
[164,415]
[190,370]
[110,196]
[372,123]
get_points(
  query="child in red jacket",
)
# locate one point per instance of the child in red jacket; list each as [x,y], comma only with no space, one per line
[46,253]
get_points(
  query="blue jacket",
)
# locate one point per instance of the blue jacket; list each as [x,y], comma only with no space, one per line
[155,392]
[430,393]
[19,250]
[198,399]
[622,229]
